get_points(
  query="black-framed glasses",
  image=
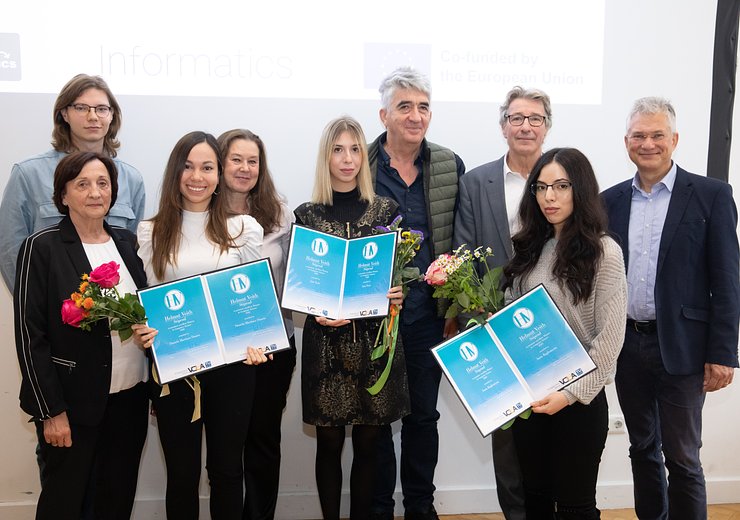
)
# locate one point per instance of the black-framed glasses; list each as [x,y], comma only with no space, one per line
[534,119]
[540,188]
[83,109]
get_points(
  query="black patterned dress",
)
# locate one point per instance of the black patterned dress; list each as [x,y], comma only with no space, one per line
[336,367]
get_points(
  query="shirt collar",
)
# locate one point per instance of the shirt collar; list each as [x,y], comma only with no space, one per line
[668,181]
[383,155]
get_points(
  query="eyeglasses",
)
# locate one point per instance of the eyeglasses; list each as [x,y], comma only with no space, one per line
[83,109]
[641,138]
[518,119]
[540,188]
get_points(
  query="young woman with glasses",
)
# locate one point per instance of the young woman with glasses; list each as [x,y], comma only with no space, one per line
[564,246]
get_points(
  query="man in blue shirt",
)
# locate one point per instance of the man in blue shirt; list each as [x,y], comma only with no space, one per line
[679,238]
[87,117]
[422,177]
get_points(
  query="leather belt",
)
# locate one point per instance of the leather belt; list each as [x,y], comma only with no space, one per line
[643,327]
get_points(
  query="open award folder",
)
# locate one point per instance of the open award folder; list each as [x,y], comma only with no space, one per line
[522,353]
[337,277]
[209,320]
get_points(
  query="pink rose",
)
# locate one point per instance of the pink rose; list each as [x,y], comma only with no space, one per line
[72,314]
[106,275]
[435,275]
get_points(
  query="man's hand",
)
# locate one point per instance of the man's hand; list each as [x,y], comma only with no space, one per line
[451,328]
[716,377]
[57,431]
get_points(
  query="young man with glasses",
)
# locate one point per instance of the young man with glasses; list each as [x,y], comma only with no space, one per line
[487,217]
[87,117]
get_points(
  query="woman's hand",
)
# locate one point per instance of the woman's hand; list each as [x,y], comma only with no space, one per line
[550,404]
[395,295]
[327,322]
[143,335]
[57,431]
[255,356]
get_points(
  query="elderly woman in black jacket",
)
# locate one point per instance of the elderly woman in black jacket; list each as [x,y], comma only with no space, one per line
[84,390]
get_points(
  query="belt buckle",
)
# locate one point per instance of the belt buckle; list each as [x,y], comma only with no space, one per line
[643,327]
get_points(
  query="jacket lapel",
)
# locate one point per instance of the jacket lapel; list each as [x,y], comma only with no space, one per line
[619,217]
[73,246]
[495,195]
[680,197]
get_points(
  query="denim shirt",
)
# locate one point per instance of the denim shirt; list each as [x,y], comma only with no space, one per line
[27,206]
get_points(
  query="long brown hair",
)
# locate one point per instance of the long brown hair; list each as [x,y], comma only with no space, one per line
[263,201]
[167,223]
[579,249]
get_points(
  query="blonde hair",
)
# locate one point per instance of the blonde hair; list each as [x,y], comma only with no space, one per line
[322,191]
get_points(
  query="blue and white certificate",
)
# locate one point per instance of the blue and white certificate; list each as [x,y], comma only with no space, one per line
[209,320]
[522,353]
[338,278]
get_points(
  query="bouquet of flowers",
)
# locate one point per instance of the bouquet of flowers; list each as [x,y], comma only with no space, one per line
[97,298]
[406,247]
[457,278]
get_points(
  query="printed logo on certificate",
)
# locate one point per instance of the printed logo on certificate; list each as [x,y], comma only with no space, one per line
[209,320]
[336,277]
[522,353]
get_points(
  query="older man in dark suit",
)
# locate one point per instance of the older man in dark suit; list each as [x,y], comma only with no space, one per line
[678,234]
[487,217]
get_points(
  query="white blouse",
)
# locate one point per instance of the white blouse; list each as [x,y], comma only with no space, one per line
[275,248]
[129,365]
[196,253]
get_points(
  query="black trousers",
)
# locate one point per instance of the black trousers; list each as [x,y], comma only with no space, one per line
[559,456]
[226,403]
[106,455]
[262,448]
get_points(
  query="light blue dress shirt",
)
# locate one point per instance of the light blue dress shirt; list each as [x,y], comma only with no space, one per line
[647,216]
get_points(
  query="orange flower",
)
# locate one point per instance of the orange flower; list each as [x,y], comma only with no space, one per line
[85,276]
[83,287]
[88,303]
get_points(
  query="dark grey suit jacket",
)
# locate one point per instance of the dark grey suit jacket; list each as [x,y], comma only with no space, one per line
[481,218]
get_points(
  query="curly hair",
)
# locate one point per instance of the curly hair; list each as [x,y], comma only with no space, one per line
[579,249]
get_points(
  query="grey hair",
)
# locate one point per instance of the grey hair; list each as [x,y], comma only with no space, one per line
[403,78]
[648,106]
[526,93]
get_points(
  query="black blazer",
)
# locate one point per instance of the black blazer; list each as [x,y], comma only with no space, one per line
[63,368]
[697,285]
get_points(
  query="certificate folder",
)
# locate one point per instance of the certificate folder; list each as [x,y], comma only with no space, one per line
[337,277]
[209,320]
[522,353]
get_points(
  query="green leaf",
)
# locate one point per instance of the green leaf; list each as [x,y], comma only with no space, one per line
[452,311]
[526,414]
[464,300]
[476,320]
[125,333]
[508,424]
[378,352]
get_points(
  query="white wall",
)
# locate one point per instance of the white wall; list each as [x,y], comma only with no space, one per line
[659,47]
